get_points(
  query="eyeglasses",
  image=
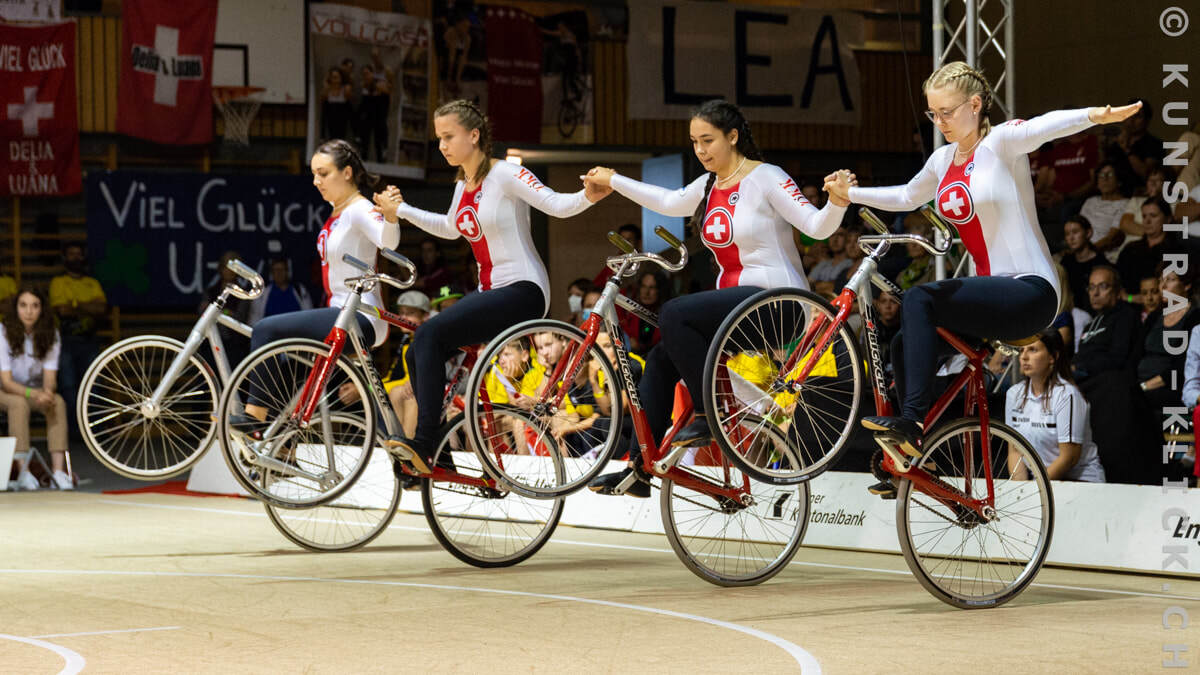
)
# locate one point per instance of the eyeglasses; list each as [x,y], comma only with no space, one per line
[944,115]
[1106,174]
[1099,287]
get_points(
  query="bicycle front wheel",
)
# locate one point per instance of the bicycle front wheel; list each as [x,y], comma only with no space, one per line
[295,465]
[482,526]
[731,542]
[772,423]
[523,408]
[351,521]
[123,428]
[960,557]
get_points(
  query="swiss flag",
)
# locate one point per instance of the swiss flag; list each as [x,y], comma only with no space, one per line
[166,70]
[39,129]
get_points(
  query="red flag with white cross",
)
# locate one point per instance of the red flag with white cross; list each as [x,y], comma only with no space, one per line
[166,70]
[39,126]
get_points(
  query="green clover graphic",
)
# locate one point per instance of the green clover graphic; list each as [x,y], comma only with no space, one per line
[124,265]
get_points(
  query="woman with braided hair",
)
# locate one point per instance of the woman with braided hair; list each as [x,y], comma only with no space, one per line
[490,209]
[744,210]
[980,182]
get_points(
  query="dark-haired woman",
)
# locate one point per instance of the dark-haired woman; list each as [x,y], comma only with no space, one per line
[490,209]
[980,183]
[1140,258]
[353,227]
[29,350]
[744,210]
[1079,258]
[1050,412]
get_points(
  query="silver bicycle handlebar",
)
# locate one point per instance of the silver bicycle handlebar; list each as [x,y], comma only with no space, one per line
[244,271]
[615,263]
[370,275]
[868,242]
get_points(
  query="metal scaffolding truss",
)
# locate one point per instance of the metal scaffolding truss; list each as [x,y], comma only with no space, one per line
[979,32]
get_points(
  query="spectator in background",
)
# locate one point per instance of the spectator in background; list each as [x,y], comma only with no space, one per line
[630,233]
[813,193]
[1109,342]
[281,296]
[237,346]
[335,104]
[920,269]
[887,321]
[1071,320]
[1052,414]
[1104,210]
[373,112]
[446,297]
[855,253]
[78,301]
[589,301]
[829,269]
[29,356]
[815,254]
[575,292]
[1131,219]
[414,307]
[1150,295]
[1142,257]
[1080,258]
[432,272]
[1177,317]
[8,288]
[1142,150]
[650,292]
[1073,170]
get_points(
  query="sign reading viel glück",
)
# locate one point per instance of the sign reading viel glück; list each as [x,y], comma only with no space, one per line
[154,239]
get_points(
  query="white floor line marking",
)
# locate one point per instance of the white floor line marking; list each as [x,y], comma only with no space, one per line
[75,662]
[647,549]
[107,632]
[808,664]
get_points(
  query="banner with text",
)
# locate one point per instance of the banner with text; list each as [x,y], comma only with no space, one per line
[35,11]
[370,76]
[777,64]
[154,239]
[39,126]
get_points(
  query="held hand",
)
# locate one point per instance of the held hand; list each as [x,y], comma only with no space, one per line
[42,399]
[347,393]
[838,185]
[1109,114]
[599,175]
[387,202]
[595,191]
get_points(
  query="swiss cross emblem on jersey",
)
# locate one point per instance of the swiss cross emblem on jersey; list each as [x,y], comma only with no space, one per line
[718,227]
[467,222]
[954,203]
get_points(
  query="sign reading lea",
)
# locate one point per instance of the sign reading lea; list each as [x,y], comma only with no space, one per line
[778,64]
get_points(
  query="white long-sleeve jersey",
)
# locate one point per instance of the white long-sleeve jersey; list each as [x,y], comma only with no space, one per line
[361,232]
[494,218]
[747,226]
[989,197]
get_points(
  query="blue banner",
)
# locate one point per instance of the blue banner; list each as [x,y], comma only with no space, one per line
[154,239]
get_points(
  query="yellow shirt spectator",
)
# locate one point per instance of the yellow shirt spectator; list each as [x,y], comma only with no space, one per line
[72,292]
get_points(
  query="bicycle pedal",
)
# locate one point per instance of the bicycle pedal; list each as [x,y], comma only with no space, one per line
[891,446]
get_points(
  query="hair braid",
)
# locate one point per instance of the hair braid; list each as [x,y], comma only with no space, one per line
[471,117]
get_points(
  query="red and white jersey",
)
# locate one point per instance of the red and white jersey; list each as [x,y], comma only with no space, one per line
[747,226]
[361,232]
[989,197]
[494,219]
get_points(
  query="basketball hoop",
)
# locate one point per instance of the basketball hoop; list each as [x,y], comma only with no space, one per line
[238,105]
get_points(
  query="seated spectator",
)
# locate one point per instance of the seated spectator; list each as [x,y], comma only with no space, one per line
[589,301]
[29,354]
[1071,320]
[237,346]
[1177,317]
[651,292]
[1052,414]
[1109,342]
[1142,150]
[579,405]
[1142,257]
[1150,295]
[8,288]
[432,272]
[1104,210]
[414,307]
[1131,219]
[630,233]
[811,190]
[838,261]
[816,253]
[1191,372]
[78,301]
[855,253]
[602,392]
[920,270]
[281,295]
[1079,258]
[887,322]
[575,292]
[445,298]
[1073,163]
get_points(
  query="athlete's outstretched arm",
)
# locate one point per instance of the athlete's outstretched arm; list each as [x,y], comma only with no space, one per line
[921,189]
[681,202]
[785,197]
[522,184]
[392,205]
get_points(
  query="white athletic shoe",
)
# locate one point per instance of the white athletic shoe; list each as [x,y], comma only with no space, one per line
[26,481]
[63,481]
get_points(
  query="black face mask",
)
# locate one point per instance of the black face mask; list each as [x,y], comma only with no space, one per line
[75,266]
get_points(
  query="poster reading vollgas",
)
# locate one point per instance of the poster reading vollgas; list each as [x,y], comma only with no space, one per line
[369,80]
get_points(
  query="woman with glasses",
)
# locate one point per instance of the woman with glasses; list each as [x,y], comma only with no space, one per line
[1104,210]
[980,182]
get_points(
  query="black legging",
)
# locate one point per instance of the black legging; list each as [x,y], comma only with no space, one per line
[476,318]
[1000,308]
[313,324]
[687,324]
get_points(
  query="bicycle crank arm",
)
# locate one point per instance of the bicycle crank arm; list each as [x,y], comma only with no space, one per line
[664,465]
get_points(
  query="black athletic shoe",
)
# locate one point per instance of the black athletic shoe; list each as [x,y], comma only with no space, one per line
[907,433]
[246,432]
[696,433]
[884,489]
[406,450]
[606,484]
